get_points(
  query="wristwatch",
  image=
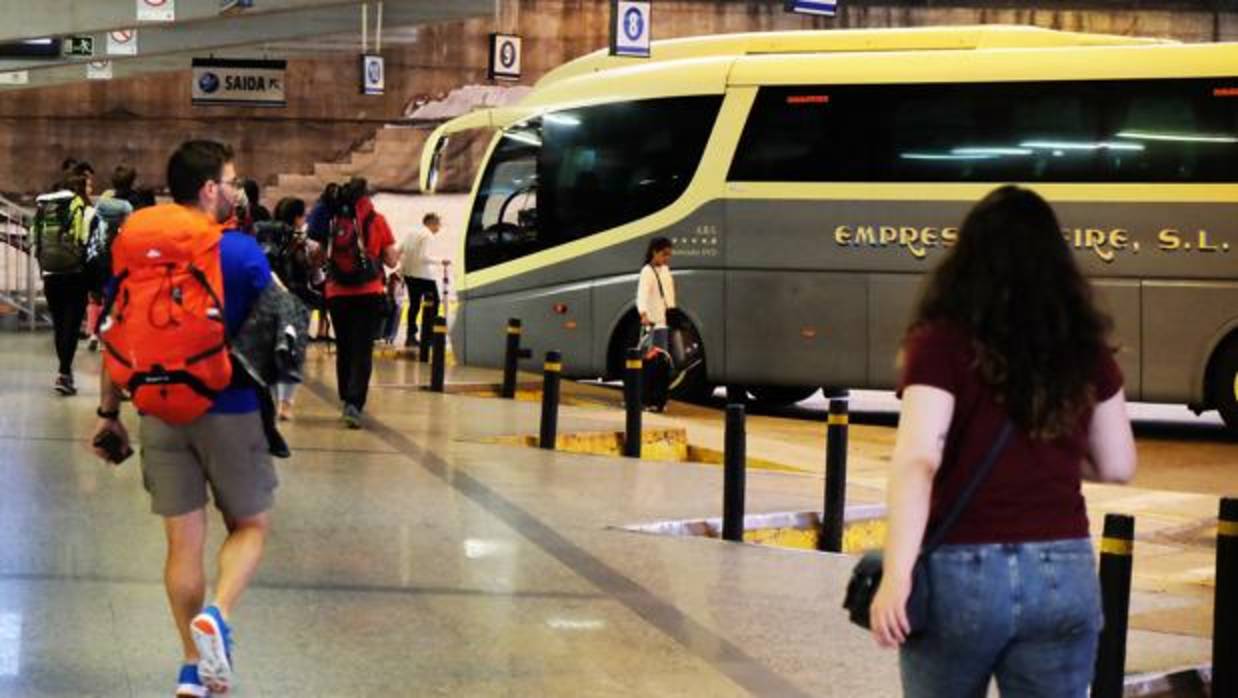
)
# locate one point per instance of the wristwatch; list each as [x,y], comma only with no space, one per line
[104,414]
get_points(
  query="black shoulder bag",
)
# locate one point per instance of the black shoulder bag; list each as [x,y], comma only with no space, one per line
[866,576]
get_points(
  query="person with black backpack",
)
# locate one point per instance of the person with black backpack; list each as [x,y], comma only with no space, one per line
[60,233]
[358,245]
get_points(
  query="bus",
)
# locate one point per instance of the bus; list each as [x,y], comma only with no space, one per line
[808,181]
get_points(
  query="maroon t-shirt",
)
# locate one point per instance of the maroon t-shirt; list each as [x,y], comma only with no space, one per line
[1033,492]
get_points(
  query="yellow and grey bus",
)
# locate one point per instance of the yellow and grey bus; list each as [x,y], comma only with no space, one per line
[809,179]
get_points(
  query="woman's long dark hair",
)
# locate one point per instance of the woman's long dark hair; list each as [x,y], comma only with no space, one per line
[656,245]
[1011,282]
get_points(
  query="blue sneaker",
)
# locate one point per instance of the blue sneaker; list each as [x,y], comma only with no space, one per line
[188,685]
[213,638]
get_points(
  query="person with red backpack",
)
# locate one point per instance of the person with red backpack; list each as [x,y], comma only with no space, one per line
[357,247]
[181,287]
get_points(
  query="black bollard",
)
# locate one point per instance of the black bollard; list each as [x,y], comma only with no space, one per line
[510,358]
[1225,609]
[550,400]
[428,318]
[734,459]
[438,365]
[831,538]
[1115,590]
[632,404]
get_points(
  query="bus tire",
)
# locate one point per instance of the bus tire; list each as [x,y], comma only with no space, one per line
[1223,383]
[781,394]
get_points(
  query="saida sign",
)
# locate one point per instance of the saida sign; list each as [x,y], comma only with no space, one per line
[239,83]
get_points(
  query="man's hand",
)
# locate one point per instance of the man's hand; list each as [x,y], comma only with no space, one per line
[104,426]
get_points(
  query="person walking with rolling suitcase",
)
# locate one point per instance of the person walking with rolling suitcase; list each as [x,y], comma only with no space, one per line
[655,296]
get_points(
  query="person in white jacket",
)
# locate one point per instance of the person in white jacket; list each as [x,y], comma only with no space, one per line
[655,295]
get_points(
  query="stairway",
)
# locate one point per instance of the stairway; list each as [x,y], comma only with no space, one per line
[389,161]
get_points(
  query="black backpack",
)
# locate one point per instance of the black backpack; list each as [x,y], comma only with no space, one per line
[348,262]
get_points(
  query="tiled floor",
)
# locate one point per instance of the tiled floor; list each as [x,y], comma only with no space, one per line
[411,559]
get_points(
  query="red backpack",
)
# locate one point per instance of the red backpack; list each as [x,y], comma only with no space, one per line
[163,328]
[348,260]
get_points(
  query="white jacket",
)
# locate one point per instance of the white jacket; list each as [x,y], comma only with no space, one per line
[649,300]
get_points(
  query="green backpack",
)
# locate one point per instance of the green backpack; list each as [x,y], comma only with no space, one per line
[57,247]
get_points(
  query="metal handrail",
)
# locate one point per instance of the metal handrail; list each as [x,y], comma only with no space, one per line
[20,282]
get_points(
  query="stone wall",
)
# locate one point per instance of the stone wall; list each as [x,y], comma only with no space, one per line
[140,120]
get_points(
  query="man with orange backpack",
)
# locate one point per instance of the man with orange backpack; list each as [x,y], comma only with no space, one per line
[181,287]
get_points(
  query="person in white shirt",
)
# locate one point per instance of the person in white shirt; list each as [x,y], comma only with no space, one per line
[655,296]
[418,267]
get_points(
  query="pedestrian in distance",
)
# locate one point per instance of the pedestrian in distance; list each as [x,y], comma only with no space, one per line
[200,427]
[61,229]
[418,266]
[1006,364]
[359,246]
[655,300]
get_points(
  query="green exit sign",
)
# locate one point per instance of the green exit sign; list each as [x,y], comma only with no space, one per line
[79,46]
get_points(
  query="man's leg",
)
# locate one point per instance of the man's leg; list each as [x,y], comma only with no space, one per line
[367,314]
[339,312]
[414,305]
[239,557]
[183,572]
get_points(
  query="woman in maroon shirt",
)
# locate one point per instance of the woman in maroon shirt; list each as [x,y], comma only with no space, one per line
[1007,331]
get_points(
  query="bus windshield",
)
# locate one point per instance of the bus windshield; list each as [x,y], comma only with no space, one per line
[576,172]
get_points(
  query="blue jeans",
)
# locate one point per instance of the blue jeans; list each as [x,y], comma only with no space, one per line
[1028,614]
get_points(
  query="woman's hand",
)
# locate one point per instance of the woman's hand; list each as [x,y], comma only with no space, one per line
[644,319]
[888,614]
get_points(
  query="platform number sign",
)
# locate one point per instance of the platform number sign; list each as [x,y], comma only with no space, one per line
[631,28]
[827,8]
[373,75]
[504,57]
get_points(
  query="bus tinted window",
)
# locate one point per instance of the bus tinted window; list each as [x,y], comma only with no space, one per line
[1096,131]
[577,172]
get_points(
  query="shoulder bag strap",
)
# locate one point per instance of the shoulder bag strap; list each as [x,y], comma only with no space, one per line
[659,280]
[934,540]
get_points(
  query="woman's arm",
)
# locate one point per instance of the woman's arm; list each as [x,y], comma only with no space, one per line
[1111,445]
[643,289]
[922,429]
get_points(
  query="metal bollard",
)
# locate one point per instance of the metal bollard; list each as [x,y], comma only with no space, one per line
[831,538]
[632,404]
[512,357]
[550,400]
[438,366]
[428,320]
[734,459]
[1225,609]
[1115,590]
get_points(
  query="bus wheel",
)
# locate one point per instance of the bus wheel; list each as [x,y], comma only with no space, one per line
[781,394]
[1224,385]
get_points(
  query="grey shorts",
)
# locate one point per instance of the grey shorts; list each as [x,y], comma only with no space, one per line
[227,452]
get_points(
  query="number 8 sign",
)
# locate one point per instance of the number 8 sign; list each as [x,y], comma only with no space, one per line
[631,28]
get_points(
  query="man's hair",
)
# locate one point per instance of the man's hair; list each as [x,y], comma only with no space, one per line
[76,183]
[83,168]
[431,217]
[193,165]
[123,178]
[289,209]
[68,164]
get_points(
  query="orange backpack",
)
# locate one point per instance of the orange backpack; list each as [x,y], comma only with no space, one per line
[163,328]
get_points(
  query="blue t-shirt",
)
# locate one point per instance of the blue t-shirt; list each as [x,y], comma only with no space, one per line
[246,274]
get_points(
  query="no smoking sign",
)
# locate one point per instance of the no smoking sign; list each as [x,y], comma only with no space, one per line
[122,42]
[504,57]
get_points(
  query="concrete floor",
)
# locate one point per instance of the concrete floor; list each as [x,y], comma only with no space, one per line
[413,559]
